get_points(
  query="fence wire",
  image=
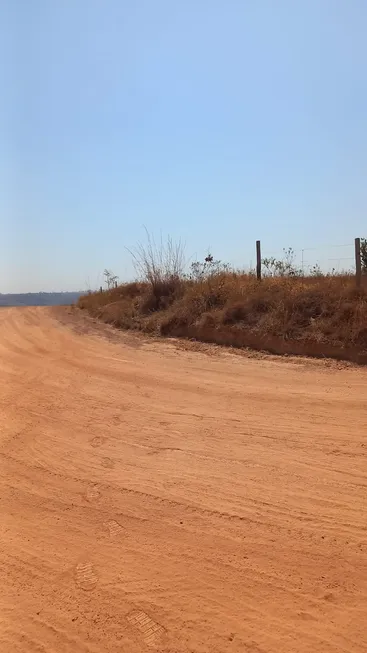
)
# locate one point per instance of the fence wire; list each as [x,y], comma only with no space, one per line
[327,259]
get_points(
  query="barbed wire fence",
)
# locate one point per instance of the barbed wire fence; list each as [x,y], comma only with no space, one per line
[329,259]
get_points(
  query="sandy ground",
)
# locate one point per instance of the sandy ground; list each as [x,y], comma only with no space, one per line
[161,499]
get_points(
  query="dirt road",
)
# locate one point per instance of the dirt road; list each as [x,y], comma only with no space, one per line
[157,499]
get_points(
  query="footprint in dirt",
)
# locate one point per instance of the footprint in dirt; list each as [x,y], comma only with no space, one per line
[107,463]
[114,528]
[150,631]
[93,493]
[85,576]
[98,441]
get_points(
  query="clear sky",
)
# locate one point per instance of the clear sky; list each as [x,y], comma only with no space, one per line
[214,121]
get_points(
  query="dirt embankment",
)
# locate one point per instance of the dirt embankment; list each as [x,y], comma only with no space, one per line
[322,317]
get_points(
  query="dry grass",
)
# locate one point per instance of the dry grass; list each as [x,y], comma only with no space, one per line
[325,315]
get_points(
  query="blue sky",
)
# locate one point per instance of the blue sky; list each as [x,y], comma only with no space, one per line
[215,121]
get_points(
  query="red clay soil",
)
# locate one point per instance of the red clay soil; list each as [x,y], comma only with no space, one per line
[157,499]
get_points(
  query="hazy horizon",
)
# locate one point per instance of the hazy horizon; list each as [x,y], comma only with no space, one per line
[42,292]
[38,299]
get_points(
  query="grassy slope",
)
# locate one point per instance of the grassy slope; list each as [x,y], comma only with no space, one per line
[323,316]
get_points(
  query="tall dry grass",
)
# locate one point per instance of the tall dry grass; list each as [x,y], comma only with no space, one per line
[324,314]
[325,311]
[161,268]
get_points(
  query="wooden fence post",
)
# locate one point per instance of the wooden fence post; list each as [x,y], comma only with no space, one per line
[357,248]
[258,260]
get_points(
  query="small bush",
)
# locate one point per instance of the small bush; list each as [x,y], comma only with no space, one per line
[235,313]
[161,295]
[161,269]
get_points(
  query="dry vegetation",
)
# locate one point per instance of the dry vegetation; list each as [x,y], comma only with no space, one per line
[284,313]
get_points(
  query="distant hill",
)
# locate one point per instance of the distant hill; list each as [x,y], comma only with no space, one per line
[39,299]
